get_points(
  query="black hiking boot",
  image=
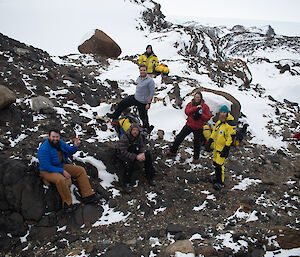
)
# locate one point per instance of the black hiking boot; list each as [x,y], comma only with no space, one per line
[92,199]
[151,182]
[149,129]
[218,186]
[68,208]
[127,188]
[111,116]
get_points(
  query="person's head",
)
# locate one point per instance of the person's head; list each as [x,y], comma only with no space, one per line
[223,113]
[143,70]
[198,97]
[54,137]
[134,130]
[149,49]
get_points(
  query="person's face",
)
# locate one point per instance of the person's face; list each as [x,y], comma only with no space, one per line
[223,116]
[149,50]
[197,98]
[135,132]
[143,72]
[54,138]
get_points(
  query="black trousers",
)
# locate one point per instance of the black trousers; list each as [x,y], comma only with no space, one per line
[198,139]
[129,167]
[131,101]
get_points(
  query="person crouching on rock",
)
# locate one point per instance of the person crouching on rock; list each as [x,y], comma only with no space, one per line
[149,59]
[131,148]
[198,114]
[52,156]
[220,140]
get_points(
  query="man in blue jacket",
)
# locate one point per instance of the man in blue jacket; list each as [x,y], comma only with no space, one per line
[141,99]
[52,155]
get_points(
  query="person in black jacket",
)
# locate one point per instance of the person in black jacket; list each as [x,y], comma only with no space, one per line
[131,149]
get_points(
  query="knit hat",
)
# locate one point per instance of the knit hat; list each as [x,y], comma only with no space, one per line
[224,108]
[148,47]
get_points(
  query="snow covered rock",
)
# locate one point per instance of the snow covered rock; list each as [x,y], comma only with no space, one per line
[7,97]
[100,44]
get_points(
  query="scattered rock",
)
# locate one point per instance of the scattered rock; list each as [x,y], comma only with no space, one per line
[42,104]
[182,246]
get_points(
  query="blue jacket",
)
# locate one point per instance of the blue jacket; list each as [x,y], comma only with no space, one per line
[48,156]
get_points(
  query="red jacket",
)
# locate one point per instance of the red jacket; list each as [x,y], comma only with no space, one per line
[190,109]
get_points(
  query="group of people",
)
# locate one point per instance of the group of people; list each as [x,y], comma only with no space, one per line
[54,152]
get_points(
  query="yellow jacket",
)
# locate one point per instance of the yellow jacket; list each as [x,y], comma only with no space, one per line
[223,132]
[150,62]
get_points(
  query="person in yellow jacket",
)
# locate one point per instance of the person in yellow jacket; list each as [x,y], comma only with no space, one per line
[220,140]
[149,59]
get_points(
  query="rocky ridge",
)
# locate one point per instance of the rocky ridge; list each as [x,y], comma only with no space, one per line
[182,206]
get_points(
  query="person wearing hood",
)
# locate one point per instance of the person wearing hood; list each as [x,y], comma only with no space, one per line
[149,59]
[132,149]
[198,114]
[222,136]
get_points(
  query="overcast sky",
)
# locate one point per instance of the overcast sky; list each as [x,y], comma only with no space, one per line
[271,10]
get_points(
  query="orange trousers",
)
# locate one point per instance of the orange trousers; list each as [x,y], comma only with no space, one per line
[61,182]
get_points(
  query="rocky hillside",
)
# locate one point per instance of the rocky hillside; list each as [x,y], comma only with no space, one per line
[258,210]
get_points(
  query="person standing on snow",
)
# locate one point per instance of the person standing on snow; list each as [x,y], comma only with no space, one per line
[222,136]
[149,59]
[142,99]
[198,114]
[132,149]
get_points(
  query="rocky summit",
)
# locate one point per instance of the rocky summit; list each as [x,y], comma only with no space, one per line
[256,211]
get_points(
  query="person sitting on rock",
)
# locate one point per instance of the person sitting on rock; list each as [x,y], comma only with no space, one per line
[198,114]
[149,59]
[52,156]
[131,148]
[220,140]
[142,99]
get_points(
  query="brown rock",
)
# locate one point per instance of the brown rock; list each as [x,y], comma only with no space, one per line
[100,44]
[183,246]
[7,97]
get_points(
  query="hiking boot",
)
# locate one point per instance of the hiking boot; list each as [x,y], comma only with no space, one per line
[218,186]
[170,153]
[149,129]
[111,116]
[68,208]
[195,161]
[91,199]
[127,188]
[151,182]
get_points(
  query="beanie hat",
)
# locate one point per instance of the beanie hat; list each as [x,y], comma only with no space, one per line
[148,47]
[224,108]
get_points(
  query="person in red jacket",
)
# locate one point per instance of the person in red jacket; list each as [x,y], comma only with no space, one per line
[198,114]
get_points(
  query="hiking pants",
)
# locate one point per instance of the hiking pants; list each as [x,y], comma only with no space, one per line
[129,167]
[131,101]
[198,138]
[219,163]
[61,182]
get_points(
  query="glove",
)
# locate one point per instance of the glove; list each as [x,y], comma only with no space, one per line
[225,152]
[207,146]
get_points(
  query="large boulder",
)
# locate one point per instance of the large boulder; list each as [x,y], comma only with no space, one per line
[7,97]
[100,44]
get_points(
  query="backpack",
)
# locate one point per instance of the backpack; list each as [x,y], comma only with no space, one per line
[124,124]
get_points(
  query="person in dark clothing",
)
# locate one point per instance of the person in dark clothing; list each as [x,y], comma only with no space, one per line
[142,99]
[198,114]
[131,149]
